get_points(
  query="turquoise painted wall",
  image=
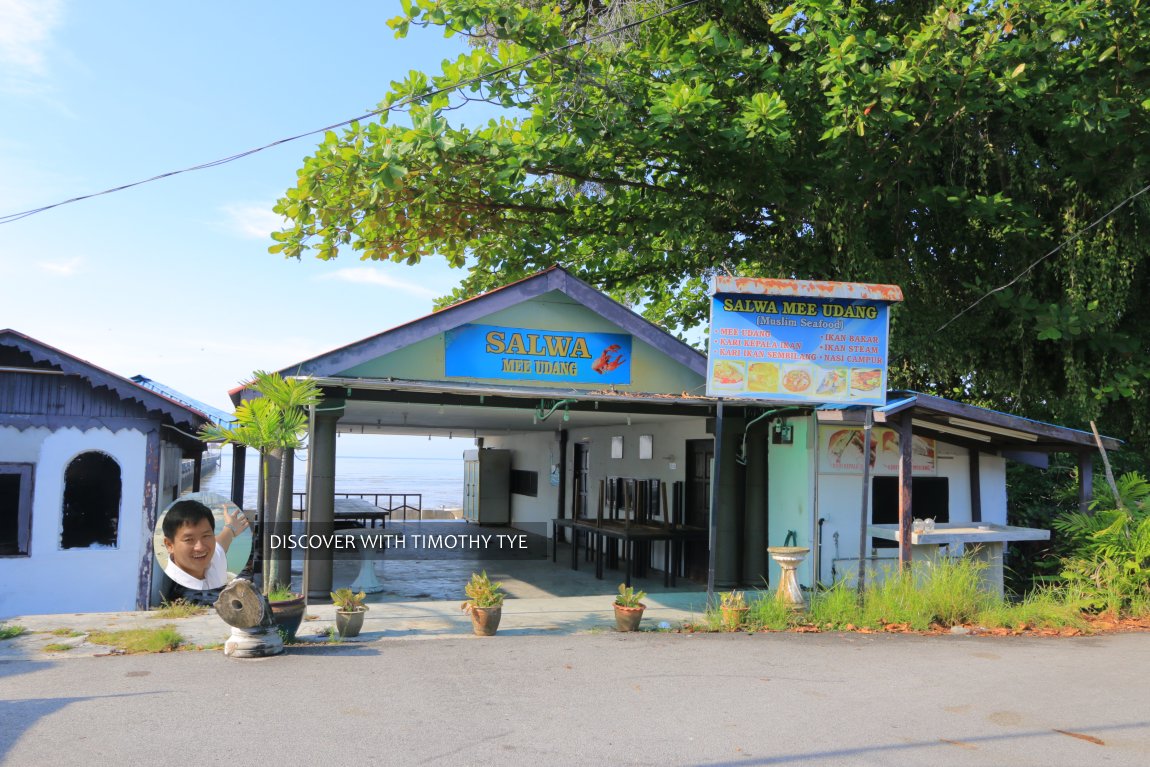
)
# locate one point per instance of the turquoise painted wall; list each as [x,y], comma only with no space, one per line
[789,496]
[651,371]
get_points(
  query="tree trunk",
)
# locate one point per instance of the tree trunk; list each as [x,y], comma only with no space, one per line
[279,557]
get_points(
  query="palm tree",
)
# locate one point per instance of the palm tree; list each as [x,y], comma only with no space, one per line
[274,424]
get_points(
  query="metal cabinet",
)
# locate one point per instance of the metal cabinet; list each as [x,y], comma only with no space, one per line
[487,486]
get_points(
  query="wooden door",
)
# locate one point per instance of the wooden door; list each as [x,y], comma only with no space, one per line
[700,457]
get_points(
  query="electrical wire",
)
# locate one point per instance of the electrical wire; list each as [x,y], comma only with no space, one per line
[1059,247]
[11,217]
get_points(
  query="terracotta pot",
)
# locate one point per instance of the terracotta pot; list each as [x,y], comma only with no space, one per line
[627,618]
[288,614]
[348,623]
[733,617]
[485,620]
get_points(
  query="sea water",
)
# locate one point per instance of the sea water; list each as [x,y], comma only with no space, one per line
[439,480]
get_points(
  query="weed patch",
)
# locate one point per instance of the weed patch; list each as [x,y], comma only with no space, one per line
[10,631]
[162,639]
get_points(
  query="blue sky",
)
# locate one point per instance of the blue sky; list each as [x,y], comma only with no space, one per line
[173,279]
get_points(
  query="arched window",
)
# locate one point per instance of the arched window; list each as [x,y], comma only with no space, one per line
[91,501]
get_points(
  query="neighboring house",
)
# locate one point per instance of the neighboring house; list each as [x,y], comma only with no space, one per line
[87,459]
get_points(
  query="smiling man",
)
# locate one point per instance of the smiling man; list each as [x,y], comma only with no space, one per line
[197,557]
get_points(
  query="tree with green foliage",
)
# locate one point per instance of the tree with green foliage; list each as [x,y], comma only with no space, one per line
[950,148]
[274,423]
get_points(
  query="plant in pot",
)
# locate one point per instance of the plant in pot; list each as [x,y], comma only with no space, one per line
[629,608]
[484,603]
[349,612]
[733,609]
[287,610]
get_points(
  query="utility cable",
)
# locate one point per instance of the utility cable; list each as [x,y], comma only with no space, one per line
[9,218]
[1059,247]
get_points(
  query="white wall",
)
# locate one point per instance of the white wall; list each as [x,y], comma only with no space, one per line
[839,497]
[537,451]
[55,580]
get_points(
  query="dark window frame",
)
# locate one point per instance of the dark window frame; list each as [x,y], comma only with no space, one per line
[26,472]
[524,482]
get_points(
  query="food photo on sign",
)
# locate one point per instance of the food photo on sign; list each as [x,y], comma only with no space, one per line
[841,451]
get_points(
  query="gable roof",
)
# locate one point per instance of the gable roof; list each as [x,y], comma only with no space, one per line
[56,359]
[470,310]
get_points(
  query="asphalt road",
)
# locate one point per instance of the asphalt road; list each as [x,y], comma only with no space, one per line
[597,699]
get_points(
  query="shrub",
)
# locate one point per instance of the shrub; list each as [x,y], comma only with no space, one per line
[1109,550]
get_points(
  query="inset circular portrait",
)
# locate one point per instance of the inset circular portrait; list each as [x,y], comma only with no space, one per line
[201,541]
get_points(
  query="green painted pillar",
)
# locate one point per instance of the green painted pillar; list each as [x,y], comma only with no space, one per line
[755,516]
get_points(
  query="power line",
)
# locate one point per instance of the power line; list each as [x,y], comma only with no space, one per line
[11,217]
[1059,247]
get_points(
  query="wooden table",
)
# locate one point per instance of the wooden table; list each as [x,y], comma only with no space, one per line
[360,510]
[598,534]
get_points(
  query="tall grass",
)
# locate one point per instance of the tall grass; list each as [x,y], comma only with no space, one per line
[767,612]
[1047,607]
[943,593]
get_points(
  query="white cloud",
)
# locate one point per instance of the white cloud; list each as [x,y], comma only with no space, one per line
[26,28]
[62,268]
[253,221]
[372,275]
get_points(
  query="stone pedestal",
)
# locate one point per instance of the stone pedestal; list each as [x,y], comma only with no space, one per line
[253,643]
[247,611]
[789,558]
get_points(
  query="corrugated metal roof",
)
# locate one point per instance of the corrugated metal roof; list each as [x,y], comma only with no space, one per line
[215,415]
[957,421]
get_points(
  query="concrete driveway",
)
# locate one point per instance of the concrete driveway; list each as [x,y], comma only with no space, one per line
[599,698]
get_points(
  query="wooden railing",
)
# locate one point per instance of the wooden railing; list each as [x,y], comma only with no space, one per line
[408,503]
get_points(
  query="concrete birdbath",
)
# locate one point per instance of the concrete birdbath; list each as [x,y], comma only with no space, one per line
[789,558]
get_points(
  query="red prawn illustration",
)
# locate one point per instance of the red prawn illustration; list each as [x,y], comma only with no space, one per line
[605,363]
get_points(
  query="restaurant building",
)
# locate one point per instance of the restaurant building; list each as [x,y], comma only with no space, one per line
[579,417]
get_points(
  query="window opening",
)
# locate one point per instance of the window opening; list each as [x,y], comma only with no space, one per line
[91,502]
[930,497]
[15,509]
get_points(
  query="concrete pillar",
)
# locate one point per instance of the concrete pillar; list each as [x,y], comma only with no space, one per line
[729,511]
[239,466]
[321,503]
[755,518]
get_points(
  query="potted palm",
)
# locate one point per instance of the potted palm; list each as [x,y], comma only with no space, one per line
[629,608]
[349,612]
[733,608]
[484,603]
[275,424]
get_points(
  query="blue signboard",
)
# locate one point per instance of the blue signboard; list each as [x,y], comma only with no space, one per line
[800,348]
[523,354]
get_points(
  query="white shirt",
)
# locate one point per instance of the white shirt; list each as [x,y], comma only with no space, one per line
[216,576]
